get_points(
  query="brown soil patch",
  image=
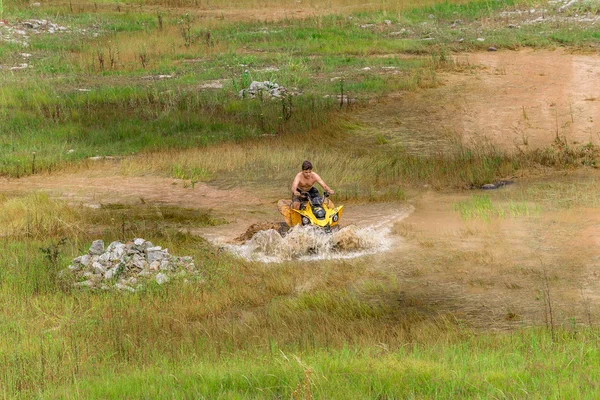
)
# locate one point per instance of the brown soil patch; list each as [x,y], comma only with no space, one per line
[512,100]
[493,273]
[104,185]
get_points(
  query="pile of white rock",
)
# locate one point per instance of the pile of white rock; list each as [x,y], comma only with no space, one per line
[127,266]
[39,25]
[20,32]
[266,89]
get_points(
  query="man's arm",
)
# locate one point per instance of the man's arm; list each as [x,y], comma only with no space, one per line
[323,184]
[295,185]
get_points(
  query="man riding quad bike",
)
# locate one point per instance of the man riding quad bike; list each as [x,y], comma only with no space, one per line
[308,207]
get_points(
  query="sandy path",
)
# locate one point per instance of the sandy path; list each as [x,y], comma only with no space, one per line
[509,99]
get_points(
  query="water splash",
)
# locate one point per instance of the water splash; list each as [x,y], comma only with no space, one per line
[311,243]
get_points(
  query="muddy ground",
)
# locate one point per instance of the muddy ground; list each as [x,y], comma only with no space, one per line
[500,273]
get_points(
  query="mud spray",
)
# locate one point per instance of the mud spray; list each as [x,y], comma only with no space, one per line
[311,243]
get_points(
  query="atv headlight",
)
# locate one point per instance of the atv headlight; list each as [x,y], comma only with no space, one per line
[305,221]
[335,218]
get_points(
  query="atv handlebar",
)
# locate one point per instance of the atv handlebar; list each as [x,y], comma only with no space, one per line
[307,194]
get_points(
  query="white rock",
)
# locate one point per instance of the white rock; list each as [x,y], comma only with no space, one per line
[121,286]
[157,255]
[97,247]
[211,85]
[114,245]
[366,69]
[110,274]
[139,261]
[161,278]
[479,39]
[98,268]
[103,259]
[87,283]
[400,32]
[154,266]
[116,251]
[21,66]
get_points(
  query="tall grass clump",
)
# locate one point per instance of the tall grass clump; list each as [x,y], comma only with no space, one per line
[37,216]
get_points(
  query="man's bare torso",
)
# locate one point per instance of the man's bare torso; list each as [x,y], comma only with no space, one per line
[304,183]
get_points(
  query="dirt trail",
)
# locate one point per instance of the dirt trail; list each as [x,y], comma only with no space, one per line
[104,185]
[509,99]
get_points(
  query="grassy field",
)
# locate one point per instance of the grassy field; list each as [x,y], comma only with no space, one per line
[118,83]
[156,84]
[251,330]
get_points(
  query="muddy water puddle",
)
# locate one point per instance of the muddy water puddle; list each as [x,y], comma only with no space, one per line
[511,100]
[364,230]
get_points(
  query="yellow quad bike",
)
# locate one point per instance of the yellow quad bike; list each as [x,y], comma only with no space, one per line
[315,211]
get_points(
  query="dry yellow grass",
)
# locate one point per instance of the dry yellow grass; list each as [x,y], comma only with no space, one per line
[37,215]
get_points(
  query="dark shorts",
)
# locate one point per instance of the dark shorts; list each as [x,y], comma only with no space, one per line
[299,199]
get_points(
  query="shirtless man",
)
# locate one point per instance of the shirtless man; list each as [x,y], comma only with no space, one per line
[304,181]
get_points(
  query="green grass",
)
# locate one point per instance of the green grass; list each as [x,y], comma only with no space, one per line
[480,206]
[504,365]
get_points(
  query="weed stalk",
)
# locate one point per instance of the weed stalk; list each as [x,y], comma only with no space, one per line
[549,313]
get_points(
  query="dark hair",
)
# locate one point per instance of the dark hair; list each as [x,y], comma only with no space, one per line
[306,165]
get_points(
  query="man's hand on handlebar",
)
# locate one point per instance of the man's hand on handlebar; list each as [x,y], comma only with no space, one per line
[302,194]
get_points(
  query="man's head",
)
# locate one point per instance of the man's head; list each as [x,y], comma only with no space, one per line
[306,169]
